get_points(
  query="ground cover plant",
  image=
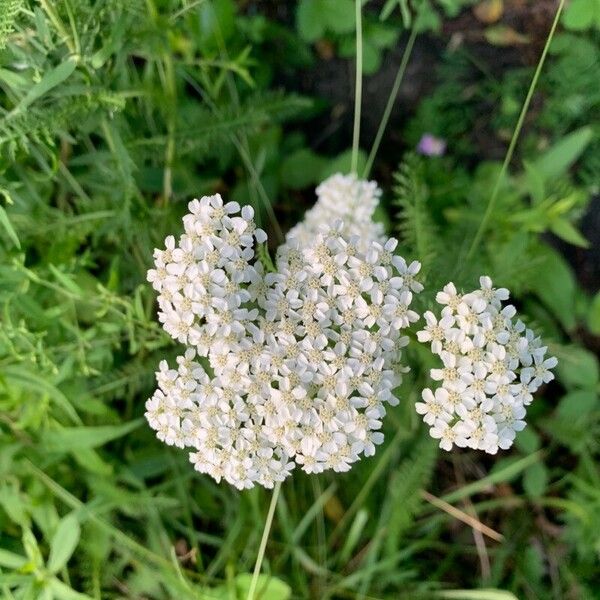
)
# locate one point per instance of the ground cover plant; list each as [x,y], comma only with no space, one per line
[115,115]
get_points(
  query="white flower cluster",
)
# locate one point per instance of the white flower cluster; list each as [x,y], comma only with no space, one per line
[345,198]
[285,368]
[491,367]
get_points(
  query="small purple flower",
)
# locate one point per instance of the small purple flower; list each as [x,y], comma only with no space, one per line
[429,145]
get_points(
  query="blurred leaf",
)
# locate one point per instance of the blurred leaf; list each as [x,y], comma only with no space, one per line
[342,164]
[577,405]
[11,560]
[567,232]
[62,591]
[482,594]
[593,319]
[582,14]
[302,168]
[49,80]
[555,285]
[503,35]
[534,182]
[528,440]
[557,160]
[577,367]
[535,480]
[74,438]
[64,542]
[268,588]
[308,20]
[5,222]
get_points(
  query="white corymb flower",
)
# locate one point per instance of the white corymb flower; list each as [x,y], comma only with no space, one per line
[287,368]
[491,366]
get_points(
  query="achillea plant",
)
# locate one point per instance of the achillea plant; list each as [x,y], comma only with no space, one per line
[296,366]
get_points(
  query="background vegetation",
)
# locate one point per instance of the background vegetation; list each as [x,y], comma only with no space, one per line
[114,114]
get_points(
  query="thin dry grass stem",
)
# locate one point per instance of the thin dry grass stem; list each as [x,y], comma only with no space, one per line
[473,522]
[482,553]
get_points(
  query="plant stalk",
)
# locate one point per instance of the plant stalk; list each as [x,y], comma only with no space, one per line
[513,142]
[390,103]
[263,541]
[357,87]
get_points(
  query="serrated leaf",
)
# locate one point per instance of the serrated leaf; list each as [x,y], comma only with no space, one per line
[64,542]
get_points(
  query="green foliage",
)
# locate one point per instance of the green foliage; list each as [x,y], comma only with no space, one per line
[414,221]
[8,15]
[112,116]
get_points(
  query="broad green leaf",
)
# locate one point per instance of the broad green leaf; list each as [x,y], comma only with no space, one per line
[534,182]
[535,480]
[528,440]
[301,169]
[74,438]
[577,405]
[309,22]
[567,232]
[593,319]
[64,542]
[268,588]
[342,164]
[339,15]
[62,591]
[11,560]
[555,285]
[426,18]
[557,160]
[577,367]
[581,14]
[49,81]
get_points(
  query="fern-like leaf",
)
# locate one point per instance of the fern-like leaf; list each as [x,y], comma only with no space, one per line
[417,230]
[8,15]
[405,485]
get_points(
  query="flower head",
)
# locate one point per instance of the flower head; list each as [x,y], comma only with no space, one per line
[491,366]
[300,363]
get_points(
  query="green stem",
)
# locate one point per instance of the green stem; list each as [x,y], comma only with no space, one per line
[263,542]
[357,87]
[513,142]
[390,103]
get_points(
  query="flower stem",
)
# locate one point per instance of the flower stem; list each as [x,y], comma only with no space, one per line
[390,103]
[357,87]
[263,541]
[513,142]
